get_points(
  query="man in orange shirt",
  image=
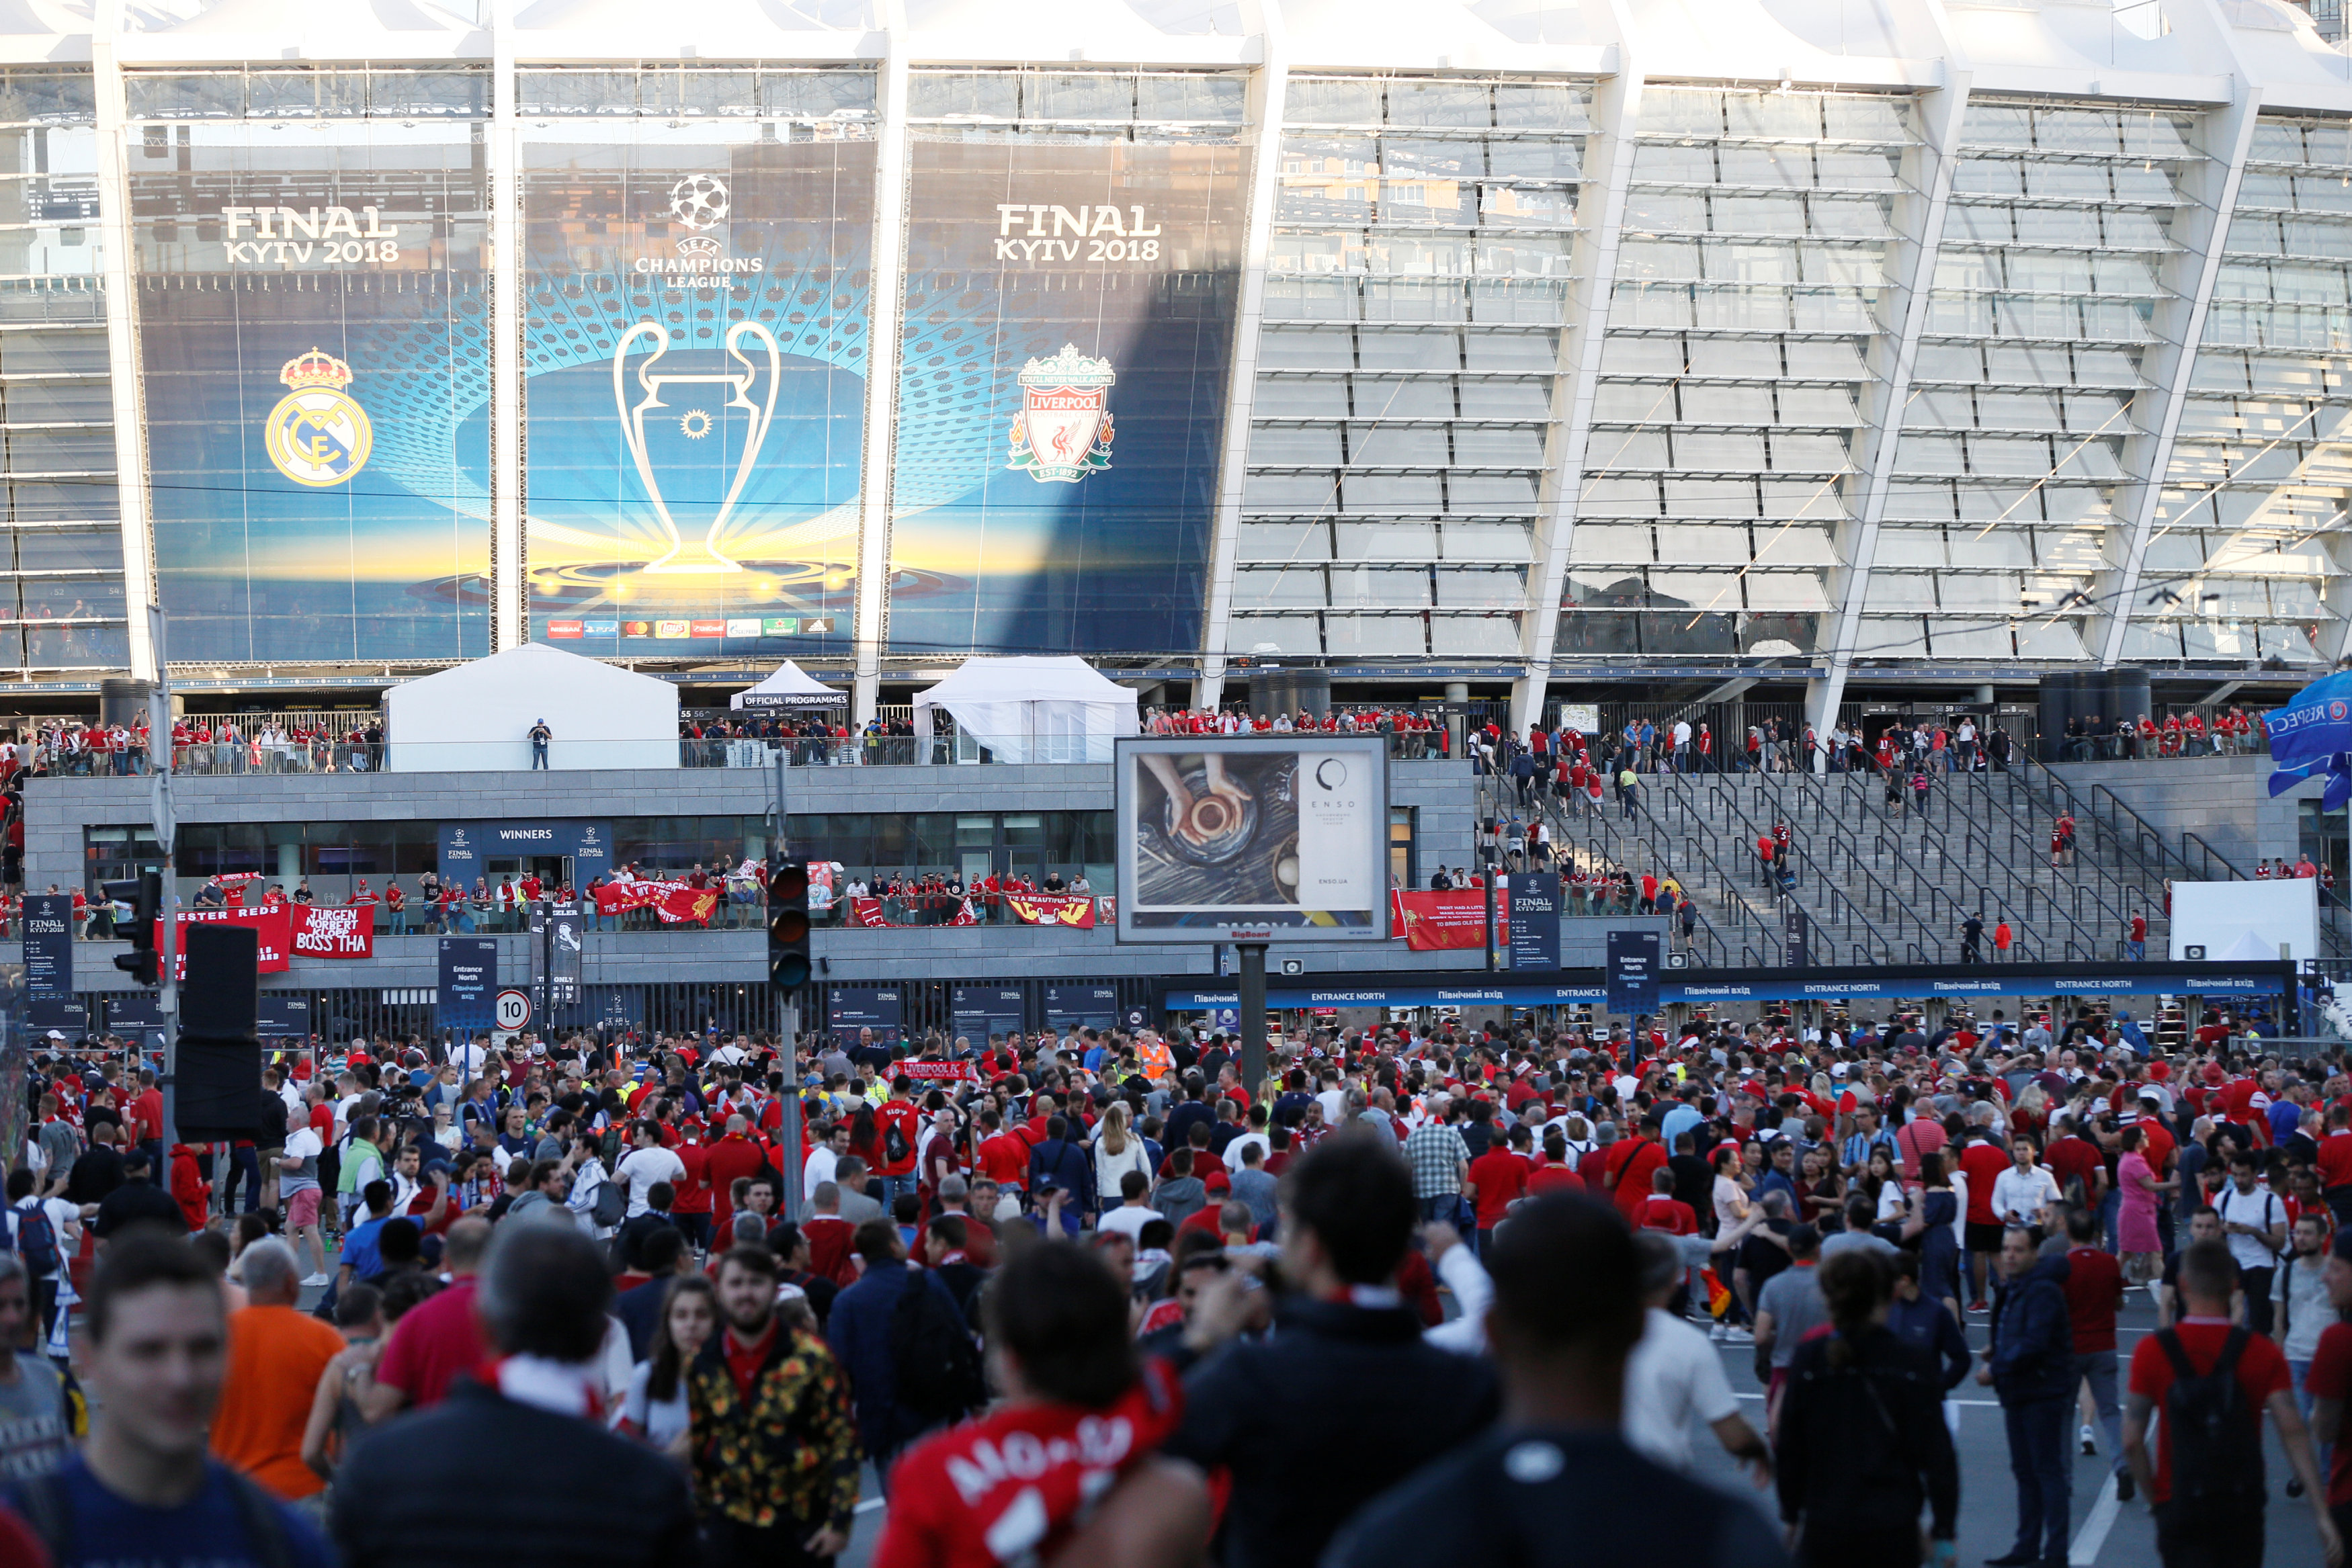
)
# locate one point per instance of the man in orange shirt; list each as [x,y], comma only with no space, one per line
[275,1357]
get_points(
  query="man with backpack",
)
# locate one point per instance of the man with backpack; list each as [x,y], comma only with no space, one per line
[2211,1380]
[2254,1227]
[29,1233]
[901,1337]
[900,1122]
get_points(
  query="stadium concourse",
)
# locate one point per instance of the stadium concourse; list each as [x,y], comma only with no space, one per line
[1803,1290]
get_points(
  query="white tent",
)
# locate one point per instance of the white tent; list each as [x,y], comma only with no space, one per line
[791,688]
[1031,709]
[477,718]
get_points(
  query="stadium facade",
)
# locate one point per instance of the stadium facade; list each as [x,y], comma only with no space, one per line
[1553,348]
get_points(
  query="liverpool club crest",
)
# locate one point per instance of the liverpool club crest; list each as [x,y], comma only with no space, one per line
[1062,432]
[317,436]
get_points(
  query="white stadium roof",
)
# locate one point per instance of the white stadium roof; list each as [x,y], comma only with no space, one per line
[2185,51]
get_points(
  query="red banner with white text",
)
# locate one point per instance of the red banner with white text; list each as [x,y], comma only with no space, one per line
[1435,922]
[272,923]
[347,931]
[676,904]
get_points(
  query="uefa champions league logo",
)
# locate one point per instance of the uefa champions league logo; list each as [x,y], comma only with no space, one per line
[700,202]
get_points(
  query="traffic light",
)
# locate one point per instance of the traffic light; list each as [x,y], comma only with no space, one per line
[144,893]
[788,925]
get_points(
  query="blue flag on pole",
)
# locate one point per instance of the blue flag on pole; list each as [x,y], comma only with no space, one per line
[2311,735]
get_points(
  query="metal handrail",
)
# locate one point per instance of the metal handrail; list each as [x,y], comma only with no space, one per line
[2211,857]
[1988,893]
[1839,904]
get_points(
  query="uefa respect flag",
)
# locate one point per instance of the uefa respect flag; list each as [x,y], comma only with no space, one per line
[2312,733]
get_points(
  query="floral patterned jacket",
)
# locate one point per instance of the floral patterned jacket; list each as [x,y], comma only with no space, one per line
[789,1451]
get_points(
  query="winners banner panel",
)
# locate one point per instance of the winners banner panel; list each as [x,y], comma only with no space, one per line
[696,313]
[312,315]
[1069,322]
[1243,839]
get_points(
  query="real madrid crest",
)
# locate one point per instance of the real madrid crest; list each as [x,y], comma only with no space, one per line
[317,436]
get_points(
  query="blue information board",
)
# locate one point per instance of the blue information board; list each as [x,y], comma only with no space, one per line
[469,983]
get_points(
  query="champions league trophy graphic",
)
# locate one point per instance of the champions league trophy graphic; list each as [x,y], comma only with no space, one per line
[701,431]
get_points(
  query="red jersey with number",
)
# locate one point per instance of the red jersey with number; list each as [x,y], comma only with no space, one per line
[903,1115]
[1011,1487]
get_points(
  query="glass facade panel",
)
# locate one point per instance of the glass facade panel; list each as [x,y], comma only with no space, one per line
[2248,553]
[1755,249]
[1430,224]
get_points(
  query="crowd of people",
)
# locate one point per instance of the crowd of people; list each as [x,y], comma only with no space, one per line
[1432,1292]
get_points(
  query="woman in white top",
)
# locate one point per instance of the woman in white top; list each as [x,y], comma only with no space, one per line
[1117,1152]
[655,1410]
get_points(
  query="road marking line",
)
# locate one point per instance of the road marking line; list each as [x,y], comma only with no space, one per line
[2085,1550]
[871,1503]
[1980,1404]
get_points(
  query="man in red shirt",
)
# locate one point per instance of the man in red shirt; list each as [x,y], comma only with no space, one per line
[1627,1172]
[901,1123]
[2329,1384]
[2203,1335]
[2075,1158]
[829,1237]
[1498,1179]
[692,1203]
[1058,1319]
[1982,1161]
[1003,1158]
[2336,1164]
[732,1156]
[2095,1289]
[437,1339]
[1661,1210]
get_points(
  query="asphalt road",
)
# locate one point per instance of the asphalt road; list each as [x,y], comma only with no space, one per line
[2105,1531]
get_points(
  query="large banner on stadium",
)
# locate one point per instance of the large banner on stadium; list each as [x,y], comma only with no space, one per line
[313,314]
[695,314]
[1439,922]
[1069,326]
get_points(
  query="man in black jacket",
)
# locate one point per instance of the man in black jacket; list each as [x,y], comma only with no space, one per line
[570,1493]
[1057,1163]
[1344,1399]
[1550,1485]
[2031,1364]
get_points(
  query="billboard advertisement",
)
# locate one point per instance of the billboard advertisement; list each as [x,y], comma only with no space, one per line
[1068,329]
[1251,839]
[312,312]
[694,313]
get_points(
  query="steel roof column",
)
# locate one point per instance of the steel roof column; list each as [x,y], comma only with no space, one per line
[125,384]
[1270,88]
[1592,271]
[1912,286]
[884,302]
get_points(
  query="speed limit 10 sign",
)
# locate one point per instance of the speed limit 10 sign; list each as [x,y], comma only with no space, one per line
[512,1011]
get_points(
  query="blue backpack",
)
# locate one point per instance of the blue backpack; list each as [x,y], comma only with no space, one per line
[34,1241]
